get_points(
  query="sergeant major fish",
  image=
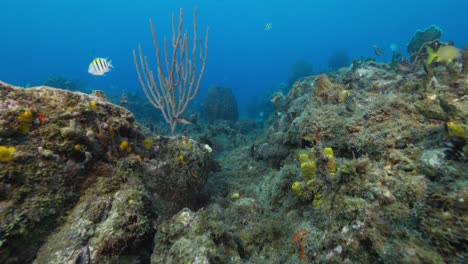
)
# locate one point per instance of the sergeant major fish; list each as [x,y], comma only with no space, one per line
[100,66]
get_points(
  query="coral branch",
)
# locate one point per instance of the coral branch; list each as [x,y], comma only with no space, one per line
[179,82]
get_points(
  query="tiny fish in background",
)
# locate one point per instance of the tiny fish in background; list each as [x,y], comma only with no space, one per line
[377,50]
[100,66]
[183,120]
[393,47]
[268,26]
[263,150]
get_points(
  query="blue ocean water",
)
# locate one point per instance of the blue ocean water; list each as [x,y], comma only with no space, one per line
[55,37]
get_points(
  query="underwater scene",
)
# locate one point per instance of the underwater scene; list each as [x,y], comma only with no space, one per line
[216,131]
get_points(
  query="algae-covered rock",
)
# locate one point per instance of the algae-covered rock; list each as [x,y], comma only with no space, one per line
[325,91]
[81,185]
[391,154]
[191,237]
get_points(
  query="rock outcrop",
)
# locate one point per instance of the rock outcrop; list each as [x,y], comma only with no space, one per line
[83,182]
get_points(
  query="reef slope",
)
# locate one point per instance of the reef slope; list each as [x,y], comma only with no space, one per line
[81,182]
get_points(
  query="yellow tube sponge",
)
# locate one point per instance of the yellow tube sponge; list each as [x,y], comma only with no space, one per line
[331,160]
[296,188]
[7,154]
[457,130]
[124,145]
[317,200]
[328,152]
[310,184]
[147,143]
[25,121]
[308,170]
[303,157]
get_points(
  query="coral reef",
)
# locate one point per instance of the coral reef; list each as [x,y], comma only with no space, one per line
[327,92]
[193,237]
[220,104]
[279,102]
[72,190]
[373,185]
[364,165]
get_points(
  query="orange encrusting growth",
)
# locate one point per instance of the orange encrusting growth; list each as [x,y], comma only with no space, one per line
[41,117]
[298,239]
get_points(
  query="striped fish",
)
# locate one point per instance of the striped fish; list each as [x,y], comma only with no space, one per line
[100,66]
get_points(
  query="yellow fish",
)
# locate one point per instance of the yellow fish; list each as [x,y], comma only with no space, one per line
[444,53]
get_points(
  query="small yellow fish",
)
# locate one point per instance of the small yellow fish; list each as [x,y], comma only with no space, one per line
[445,53]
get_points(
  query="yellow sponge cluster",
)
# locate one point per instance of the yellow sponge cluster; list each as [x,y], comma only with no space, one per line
[317,200]
[308,170]
[307,188]
[296,188]
[7,153]
[331,160]
[457,130]
[25,121]
[124,145]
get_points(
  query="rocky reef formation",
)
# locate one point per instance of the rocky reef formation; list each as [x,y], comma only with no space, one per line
[364,165]
[81,182]
[220,104]
[384,182]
